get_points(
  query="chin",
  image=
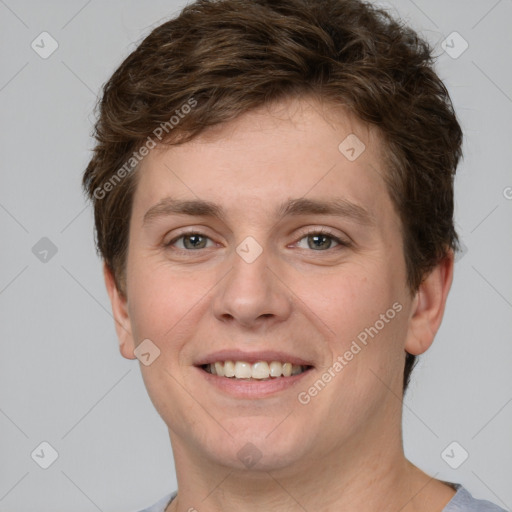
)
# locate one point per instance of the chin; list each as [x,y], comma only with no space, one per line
[259,444]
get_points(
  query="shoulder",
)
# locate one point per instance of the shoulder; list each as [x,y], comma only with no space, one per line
[161,504]
[463,501]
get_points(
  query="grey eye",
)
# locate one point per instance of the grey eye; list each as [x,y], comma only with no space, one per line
[191,241]
[319,241]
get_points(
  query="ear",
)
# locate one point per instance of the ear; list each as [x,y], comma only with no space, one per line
[121,317]
[428,307]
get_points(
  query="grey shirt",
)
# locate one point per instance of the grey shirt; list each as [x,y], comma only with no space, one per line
[462,501]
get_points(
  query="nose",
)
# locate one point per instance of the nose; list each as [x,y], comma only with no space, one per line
[253,294]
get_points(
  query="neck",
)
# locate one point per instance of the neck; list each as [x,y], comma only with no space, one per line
[363,476]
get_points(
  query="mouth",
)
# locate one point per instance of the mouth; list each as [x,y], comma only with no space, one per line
[252,375]
[257,371]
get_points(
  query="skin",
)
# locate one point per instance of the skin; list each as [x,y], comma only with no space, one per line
[293,298]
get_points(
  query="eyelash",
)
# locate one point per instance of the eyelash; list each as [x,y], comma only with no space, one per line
[318,231]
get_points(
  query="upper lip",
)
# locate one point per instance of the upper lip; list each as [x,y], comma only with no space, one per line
[251,357]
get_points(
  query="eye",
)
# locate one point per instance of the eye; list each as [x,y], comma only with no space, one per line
[321,240]
[190,241]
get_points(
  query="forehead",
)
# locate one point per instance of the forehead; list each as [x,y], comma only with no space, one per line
[291,149]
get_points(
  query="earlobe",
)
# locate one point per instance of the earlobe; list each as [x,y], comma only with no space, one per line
[120,313]
[428,307]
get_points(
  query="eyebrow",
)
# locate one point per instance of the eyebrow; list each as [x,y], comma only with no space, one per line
[293,207]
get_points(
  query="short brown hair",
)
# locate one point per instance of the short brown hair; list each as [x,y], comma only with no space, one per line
[232,56]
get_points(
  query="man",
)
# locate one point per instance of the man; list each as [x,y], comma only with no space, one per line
[273,194]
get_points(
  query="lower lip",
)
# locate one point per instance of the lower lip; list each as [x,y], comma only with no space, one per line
[253,388]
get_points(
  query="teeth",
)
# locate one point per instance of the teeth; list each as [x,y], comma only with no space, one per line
[219,369]
[296,369]
[229,369]
[243,370]
[276,368]
[260,370]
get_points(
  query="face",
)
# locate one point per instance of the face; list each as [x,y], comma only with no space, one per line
[262,242]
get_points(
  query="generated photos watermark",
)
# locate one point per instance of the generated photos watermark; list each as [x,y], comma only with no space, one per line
[137,156]
[305,397]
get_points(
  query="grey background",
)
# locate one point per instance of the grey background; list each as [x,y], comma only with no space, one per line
[62,379]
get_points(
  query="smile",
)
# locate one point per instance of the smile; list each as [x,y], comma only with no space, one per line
[260,370]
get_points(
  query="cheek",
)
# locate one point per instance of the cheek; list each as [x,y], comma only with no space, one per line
[166,305]
[349,300]
[362,310]
[155,301]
